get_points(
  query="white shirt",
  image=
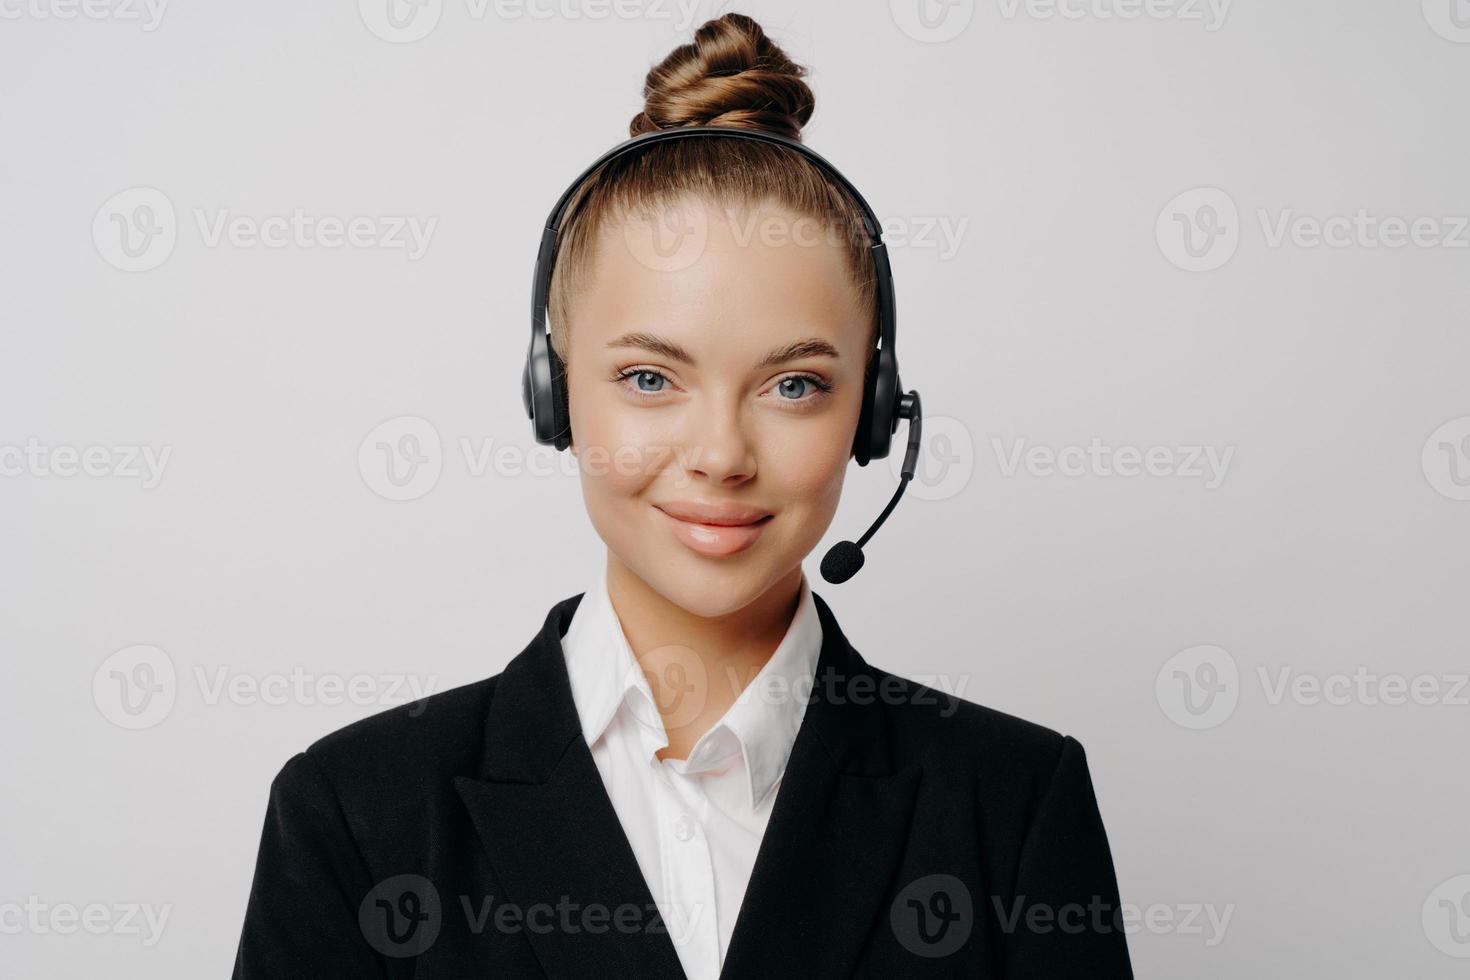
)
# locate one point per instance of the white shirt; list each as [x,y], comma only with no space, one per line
[695,824]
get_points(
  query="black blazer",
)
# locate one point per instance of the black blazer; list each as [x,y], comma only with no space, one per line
[469,834]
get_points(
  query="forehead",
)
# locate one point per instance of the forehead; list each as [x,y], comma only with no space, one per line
[717,276]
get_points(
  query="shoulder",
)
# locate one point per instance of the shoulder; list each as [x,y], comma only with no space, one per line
[943,731]
[1018,774]
[399,753]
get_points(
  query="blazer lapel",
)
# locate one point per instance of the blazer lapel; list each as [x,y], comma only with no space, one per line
[836,833]
[550,830]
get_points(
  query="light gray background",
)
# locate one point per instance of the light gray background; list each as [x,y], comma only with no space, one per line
[1329,833]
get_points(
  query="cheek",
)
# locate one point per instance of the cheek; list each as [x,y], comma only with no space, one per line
[824,448]
[806,465]
[620,450]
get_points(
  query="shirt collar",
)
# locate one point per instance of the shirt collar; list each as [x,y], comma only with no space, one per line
[763,721]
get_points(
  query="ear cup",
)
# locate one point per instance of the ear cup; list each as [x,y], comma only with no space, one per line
[526,389]
[878,419]
[561,417]
[862,442]
[545,406]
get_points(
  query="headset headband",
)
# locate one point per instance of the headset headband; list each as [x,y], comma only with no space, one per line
[870,221]
[542,381]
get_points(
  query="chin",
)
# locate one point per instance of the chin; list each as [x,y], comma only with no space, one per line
[707,592]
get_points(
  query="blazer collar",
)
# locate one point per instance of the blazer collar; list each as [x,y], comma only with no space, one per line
[834,837]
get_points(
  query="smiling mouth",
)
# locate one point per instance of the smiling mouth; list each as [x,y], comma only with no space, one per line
[716,540]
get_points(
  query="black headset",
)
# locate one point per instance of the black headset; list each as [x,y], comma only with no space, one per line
[543,381]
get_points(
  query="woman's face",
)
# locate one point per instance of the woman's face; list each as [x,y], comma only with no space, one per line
[718,371]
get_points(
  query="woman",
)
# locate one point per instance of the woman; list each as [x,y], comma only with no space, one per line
[689,771]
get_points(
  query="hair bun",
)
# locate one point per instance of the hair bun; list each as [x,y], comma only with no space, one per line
[731,75]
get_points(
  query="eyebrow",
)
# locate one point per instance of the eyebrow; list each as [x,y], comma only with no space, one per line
[654,344]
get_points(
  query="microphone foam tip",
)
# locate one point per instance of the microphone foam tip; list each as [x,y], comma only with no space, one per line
[842,562]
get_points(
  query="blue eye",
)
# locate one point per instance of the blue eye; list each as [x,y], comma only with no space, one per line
[803,389]
[799,389]
[788,384]
[642,376]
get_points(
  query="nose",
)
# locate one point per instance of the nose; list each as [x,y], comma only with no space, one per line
[718,447]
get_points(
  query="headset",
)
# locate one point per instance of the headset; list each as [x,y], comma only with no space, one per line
[543,380]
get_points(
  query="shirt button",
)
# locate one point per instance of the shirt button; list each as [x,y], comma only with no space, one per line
[684,827]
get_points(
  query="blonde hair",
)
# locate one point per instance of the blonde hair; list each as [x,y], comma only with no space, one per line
[732,75]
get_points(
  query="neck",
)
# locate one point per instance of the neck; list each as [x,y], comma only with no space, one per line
[696,665]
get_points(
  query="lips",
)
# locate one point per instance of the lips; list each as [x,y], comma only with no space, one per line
[720,515]
[715,530]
